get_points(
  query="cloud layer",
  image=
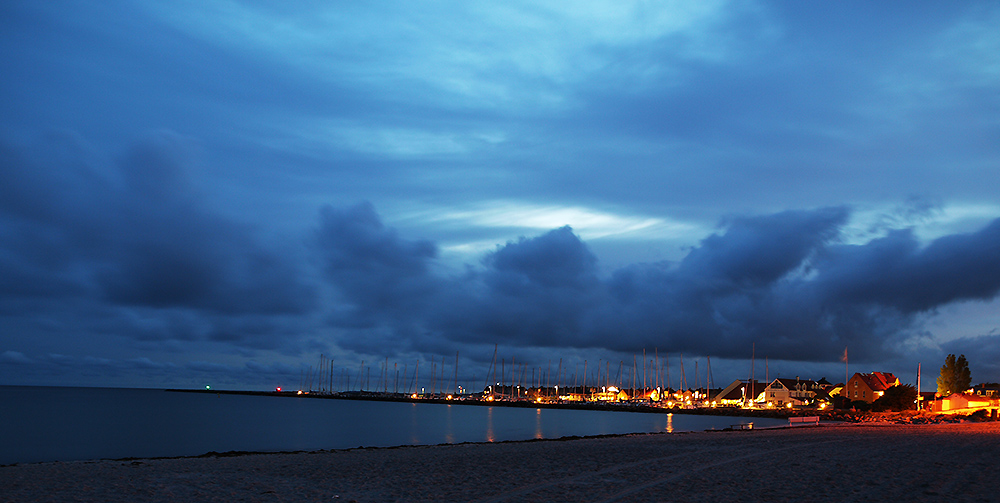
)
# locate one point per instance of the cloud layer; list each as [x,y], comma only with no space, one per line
[784,282]
[229,182]
[133,250]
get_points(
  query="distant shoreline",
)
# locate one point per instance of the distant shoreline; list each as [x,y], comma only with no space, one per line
[599,406]
[838,415]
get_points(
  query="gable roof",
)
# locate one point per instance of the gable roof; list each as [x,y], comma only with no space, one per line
[735,390]
[878,381]
[802,384]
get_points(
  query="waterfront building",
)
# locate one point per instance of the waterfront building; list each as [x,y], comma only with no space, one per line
[736,394]
[783,392]
[868,387]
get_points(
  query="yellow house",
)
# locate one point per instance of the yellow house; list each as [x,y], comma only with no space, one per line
[963,402]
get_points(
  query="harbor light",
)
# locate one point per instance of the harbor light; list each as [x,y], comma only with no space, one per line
[208,387]
[278,389]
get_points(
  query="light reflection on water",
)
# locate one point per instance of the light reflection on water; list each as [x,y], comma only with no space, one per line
[89,423]
[414,427]
[490,435]
[449,436]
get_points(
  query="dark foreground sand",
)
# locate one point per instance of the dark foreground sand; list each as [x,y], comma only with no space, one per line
[864,463]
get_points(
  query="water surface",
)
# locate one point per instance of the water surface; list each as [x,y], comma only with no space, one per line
[49,424]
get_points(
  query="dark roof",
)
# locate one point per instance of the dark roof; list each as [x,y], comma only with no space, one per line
[878,381]
[805,384]
[736,393]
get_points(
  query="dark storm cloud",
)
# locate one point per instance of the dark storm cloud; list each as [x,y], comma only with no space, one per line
[896,271]
[531,292]
[378,274]
[133,234]
[784,282]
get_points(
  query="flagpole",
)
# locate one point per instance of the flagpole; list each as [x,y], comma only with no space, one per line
[919,403]
[846,372]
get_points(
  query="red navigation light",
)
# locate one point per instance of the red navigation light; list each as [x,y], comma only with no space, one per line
[278,389]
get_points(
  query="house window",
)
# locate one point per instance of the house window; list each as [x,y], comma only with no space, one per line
[855,393]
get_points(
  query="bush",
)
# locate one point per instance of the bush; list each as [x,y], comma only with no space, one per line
[861,405]
[896,399]
[979,415]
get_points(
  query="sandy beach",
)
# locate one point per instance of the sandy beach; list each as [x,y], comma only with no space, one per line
[858,462]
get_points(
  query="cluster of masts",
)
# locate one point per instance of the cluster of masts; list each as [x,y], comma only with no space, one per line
[325,378]
[646,380]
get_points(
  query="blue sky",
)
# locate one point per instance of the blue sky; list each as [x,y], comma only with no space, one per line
[219,192]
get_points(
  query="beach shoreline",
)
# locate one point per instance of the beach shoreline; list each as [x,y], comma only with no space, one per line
[848,462]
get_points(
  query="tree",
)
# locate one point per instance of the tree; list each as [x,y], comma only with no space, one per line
[955,376]
[897,398]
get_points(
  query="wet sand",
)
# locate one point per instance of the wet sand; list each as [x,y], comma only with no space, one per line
[857,462]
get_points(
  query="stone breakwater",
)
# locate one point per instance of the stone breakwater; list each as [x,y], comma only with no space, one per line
[905,417]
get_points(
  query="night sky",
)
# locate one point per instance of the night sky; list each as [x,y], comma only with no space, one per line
[218,192]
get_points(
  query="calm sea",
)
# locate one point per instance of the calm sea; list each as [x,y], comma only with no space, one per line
[64,424]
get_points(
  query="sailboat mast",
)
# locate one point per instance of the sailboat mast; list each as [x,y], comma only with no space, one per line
[361,376]
[493,366]
[708,377]
[633,375]
[684,382]
[644,371]
[696,386]
[607,374]
[548,376]
[657,352]
[558,377]
[753,355]
[666,363]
